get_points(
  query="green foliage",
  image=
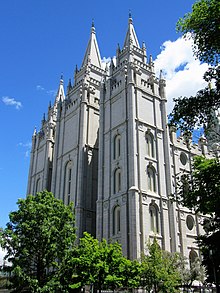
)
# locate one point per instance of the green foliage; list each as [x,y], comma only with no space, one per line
[203,192]
[204,27]
[102,265]
[203,195]
[37,239]
[198,111]
[189,274]
[159,270]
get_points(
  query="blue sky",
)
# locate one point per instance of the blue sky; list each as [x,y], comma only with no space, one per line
[41,39]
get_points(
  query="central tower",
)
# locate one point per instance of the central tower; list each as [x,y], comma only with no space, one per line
[134,168]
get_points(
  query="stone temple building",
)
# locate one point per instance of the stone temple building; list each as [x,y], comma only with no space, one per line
[105,146]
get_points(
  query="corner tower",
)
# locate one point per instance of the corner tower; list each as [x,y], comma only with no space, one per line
[134,168]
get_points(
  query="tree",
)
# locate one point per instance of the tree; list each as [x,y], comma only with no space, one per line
[202,25]
[159,270]
[190,272]
[37,239]
[101,265]
[200,191]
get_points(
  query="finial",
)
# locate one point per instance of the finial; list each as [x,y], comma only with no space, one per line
[130,17]
[143,45]
[35,131]
[61,78]
[76,69]
[118,48]
[49,105]
[69,85]
[93,26]
[161,74]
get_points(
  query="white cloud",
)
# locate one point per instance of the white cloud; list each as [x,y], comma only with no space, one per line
[183,73]
[40,87]
[48,92]
[11,102]
[26,146]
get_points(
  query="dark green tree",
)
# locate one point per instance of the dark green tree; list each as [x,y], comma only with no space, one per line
[159,270]
[200,191]
[202,25]
[37,240]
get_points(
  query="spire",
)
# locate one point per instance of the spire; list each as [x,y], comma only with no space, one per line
[92,52]
[131,36]
[60,93]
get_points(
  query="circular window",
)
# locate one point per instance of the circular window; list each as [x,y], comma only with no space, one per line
[190,222]
[183,158]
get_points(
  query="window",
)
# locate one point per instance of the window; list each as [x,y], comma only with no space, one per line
[37,188]
[116,220]
[151,174]
[150,144]
[183,158]
[117,146]
[67,183]
[193,257]
[117,180]
[190,222]
[154,217]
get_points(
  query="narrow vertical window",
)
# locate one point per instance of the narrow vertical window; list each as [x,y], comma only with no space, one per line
[117,180]
[67,183]
[117,147]
[116,220]
[37,189]
[154,218]
[150,144]
[151,174]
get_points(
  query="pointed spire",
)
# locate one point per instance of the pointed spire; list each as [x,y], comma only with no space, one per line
[131,37]
[60,93]
[161,77]
[35,131]
[69,85]
[92,52]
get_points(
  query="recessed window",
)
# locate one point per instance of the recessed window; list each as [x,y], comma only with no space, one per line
[117,180]
[117,147]
[190,222]
[116,220]
[154,218]
[183,158]
[151,176]
[193,257]
[38,188]
[67,183]
[150,144]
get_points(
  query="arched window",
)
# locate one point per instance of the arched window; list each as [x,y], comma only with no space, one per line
[117,146]
[151,176]
[38,187]
[67,183]
[116,220]
[150,145]
[154,218]
[193,257]
[117,180]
